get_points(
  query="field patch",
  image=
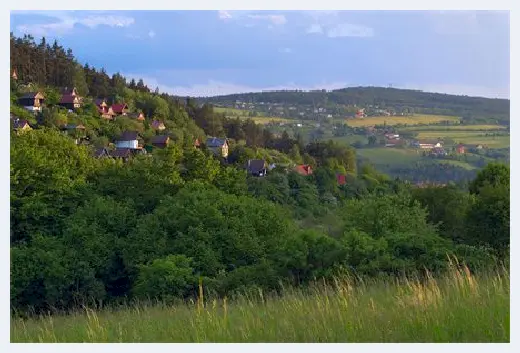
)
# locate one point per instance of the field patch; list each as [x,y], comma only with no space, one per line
[456,128]
[395,120]
[468,138]
[384,155]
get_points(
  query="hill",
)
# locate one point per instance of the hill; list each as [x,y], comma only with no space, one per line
[346,101]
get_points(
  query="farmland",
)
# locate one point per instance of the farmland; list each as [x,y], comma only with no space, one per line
[396,120]
[465,137]
[456,128]
[381,155]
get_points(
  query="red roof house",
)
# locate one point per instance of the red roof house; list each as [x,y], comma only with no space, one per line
[303,169]
[461,149]
[119,109]
[341,179]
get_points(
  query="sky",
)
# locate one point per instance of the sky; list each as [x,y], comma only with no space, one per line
[206,53]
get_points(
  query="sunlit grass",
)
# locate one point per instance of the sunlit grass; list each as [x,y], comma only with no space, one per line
[394,120]
[458,307]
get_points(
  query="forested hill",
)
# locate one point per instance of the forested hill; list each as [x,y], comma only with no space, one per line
[470,108]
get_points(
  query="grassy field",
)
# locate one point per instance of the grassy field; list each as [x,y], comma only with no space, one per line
[456,128]
[458,307]
[383,155]
[394,120]
[461,164]
[467,137]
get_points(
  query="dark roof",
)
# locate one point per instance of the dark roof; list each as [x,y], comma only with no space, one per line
[18,124]
[129,136]
[255,165]
[74,126]
[118,108]
[67,99]
[99,152]
[67,90]
[121,153]
[98,101]
[134,115]
[215,142]
[160,139]
[29,95]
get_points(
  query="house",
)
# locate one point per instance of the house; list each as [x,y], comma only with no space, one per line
[196,144]
[102,152]
[158,125]
[303,169]
[121,153]
[392,136]
[257,167]
[129,139]
[119,109]
[136,116]
[14,75]
[100,103]
[70,98]
[342,180]
[438,151]
[393,142]
[428,144]
[360,113]
[461,149]
[32,101]
[160,141]
[218,146]
[72,127]
[21,125]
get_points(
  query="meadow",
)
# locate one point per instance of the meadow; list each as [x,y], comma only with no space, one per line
[456,307]
[395,120]
[384,155]
[467,137]
[456,128]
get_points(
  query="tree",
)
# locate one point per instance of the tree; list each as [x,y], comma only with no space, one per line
[494,174]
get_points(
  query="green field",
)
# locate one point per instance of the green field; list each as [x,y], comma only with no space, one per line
[348,140]
[383,155]
[455,163]
[458,307]
[467,137]
[456,128]
[395,120]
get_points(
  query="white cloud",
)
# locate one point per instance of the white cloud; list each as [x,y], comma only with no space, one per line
[223,15]
[315,28]
[151,34]
[65,23]
[286,50]
[350,30]
[274,19]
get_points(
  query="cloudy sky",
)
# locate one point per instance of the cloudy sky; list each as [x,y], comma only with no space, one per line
[220,52]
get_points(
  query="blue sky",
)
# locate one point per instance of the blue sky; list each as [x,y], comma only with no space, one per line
[222,52]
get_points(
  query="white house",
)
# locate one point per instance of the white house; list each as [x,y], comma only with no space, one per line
[129,139]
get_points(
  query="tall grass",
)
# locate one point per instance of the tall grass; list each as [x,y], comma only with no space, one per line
[458,307]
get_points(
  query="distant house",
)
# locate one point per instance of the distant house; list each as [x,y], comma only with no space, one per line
[14,75]
[257,167]
[303,169]
[121,153]
[196,144]
[461,149]
[158,125]
[21,125]
[160,141]
[393,142]
[136,116]
[32,101]
[341,179]
[70,98]
[392,136]
[428,144]
[360,113]
[102,152]
[129,139]
[119,109]
[438,151]
[218,146]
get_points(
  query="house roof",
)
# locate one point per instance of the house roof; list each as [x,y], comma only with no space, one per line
[118,108]
[160,139]
[157,123]
[129,136]
[341,179]
[135,115]
[68,99]
[99,152]
[99,101]
[256,165]
[19,124]
[215,142]
[74,126]
[31,95]
[303,169]
[68,91]
[121,153]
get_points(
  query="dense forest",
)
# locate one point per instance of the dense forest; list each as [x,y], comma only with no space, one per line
[91,231]
[471,109]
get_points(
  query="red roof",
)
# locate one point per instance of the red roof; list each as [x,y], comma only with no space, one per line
[303,169]
[67,99]
[341,179]
[119,108]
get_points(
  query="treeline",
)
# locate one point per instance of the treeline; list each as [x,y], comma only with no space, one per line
[471,109]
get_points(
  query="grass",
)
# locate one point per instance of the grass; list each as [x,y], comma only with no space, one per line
[458,307]
[456,163]
[468,137]
[384,155]
[395,120]
[456,128]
